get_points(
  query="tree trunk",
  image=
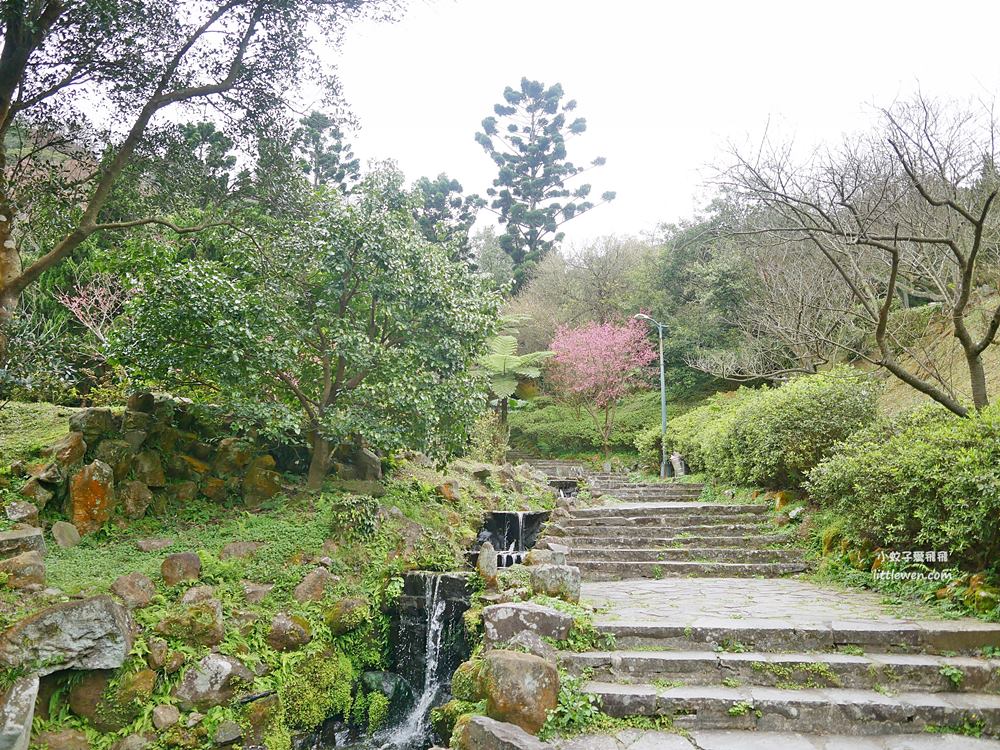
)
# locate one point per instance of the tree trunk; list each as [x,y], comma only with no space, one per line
[977,376]
[319,463]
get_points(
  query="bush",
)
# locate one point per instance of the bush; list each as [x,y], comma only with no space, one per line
[928,480]
[773,436]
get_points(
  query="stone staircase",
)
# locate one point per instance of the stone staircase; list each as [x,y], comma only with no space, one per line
[709,630]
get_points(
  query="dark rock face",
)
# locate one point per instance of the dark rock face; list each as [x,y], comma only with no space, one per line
[94,633]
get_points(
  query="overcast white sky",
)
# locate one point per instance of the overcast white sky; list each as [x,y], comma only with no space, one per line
[664,85]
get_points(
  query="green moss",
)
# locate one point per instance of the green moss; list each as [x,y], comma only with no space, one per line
[319,686]
[465,683]
[445,718]
[25,429]
[378,711]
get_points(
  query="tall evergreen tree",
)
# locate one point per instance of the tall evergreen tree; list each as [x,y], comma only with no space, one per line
[446,214]
[325,154]
[527,140]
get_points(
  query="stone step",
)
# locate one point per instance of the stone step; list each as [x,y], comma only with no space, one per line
[682,509]
[895,672]
[741,554]
[732,739]
[677,521]
[607,488]
[617,570]
[777,635]
[666,529]
[657,540]
[830,710]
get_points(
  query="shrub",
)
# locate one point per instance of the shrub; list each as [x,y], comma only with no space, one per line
[774,436]
[929,480]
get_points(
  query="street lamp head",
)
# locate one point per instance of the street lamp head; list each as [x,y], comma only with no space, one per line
[642,316]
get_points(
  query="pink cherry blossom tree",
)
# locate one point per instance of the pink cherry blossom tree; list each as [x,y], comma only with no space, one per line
[596,365]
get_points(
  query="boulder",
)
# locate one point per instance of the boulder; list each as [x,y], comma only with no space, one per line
[165,716]
[314,585]
[134,589]
[197,594]
[213,682]
[68,450]
[261,484]
[17,709]
[19,512]
[65,534]
[449,491]
[93,633]
[158,652]
[531,643]
[367,464]
[137,421]
[18,541]
[24,571]
[91,497]
[260,717]
[107,706]
[227,733]
[181,566]
[559,581]
[544,557]
[135,439]
[255,592]
[143,401]
[520,688]
[198,624]
[36,492]
[501,622]
[346,615]
[118,455]
[92,422]
[153,545]
[233,456]
[64,739]
[184,491]
[214,489]
[135,497]
[486,564]
[288,632]
[133,742]
[148,469]
[483,733]
[239,550]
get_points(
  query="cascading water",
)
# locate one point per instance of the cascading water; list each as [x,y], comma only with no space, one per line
[413,733]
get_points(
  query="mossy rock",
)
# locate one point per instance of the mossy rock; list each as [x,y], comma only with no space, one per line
[466,683]
[444,718]
[346,615]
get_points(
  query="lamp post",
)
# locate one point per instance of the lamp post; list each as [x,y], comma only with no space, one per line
[663,396]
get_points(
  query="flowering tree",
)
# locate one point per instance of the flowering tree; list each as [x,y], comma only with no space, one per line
[596,365]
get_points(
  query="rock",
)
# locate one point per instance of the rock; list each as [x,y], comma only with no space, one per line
[148,469]
[560,581]
[483,733]
[68,450]
[92,422]
[117,454]
[214,489]
[18,512]
[239,550]
[134,589]
[197,594]
[346,615]
[110,707]
[65,534]
[260,718]
[93,633]
[255,592]
[132,742]
[135,497]
[163,437]
[137,421]
[159,650]
[261,484]
[531,643]
[64,739]
[135,439]
[18,541]
[36,492]
[501,622]
[193,719]
[288,632]
[198,624]
[544,557]
[17,709]
[367,464]
[153,545]
[184,491]
[24,571]
[196,466]
[91,497]
[142,401]
[520,688]
[213,682]
[369,487]
[175,660]
[165,716]
[449,491]
[50,474]
[314,585]
[486,564]
[227,732]
[794,513]
[232,456]
[181,566]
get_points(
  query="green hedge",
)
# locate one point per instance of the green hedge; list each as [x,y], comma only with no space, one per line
[928,480]
[771,437]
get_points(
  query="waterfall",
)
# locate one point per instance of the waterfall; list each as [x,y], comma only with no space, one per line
[414,731]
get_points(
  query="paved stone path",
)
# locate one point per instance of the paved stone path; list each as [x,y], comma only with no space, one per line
[710,631]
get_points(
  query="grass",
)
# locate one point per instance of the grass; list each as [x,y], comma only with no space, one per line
[25,429]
